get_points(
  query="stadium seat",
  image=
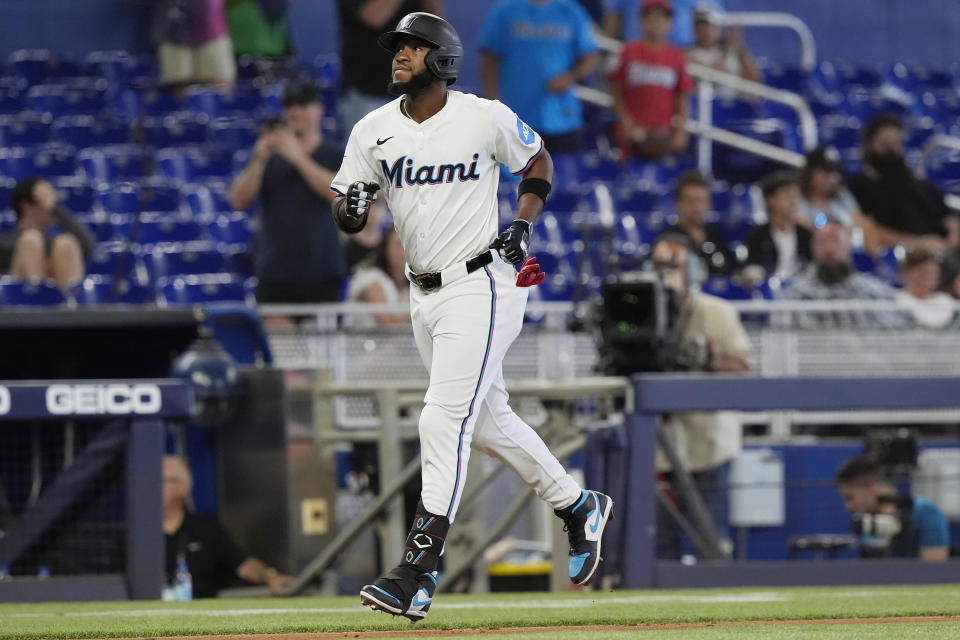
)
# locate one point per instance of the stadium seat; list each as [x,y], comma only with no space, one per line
[113,163]
[326,70]
[108,228]
[243,100]
[204,289]
[136,103]
[205,201]
[8,220]
[104,289]
[238,259]
[595,167]
[943,166]
[235,133]
[12,94]
[25,128]
[174,130]
[190,258]
[157,228]
[231,229]
[121,67]
[645,198]
[15,292]
[116,261]
[194,164]
[48,161]
[36,66]
[786,77]
[57,100]
[85,131]
[6,185]
[75,193]
[133,197]
[726,110]
[734,165]
[727,289]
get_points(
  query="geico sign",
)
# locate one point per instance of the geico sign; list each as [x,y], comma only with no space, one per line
[94,399]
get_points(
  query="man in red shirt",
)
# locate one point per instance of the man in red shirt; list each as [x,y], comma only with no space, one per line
[651,87]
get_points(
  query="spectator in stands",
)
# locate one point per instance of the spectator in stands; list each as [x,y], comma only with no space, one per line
[194,45]
[721,51]
[365,69]
[822,192]
[705,442]
[950,275]
[780,247]
[651,89]
[691,199]
[620,20]
[905,209]
[362,245]
[259,27]
[831,276]
[532,53]
[48,242]
[930,308]
[212,556]
[924,531]
[298,254]
[383,279]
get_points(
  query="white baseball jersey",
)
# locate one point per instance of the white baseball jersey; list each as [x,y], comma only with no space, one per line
[440,177]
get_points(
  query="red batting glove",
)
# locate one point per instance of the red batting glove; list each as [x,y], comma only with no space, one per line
[530,274]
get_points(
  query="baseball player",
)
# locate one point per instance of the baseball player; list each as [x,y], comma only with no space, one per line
[435,155]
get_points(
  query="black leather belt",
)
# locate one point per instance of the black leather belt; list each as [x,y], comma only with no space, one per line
[433,281]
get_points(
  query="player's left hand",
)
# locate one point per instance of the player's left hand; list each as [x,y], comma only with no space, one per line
[530,274]
[514,243]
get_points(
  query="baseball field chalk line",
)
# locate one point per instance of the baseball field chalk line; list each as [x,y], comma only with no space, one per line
[415,633]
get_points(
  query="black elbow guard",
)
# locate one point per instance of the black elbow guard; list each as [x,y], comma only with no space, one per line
[537,186]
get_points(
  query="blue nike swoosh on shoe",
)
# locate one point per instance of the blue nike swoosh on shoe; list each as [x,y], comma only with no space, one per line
[576,563]
[595,525]
[417,602]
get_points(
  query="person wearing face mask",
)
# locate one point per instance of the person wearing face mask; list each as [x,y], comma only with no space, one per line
[831,276]
[904,208]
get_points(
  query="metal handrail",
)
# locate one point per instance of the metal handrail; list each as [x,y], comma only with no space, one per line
[808,47]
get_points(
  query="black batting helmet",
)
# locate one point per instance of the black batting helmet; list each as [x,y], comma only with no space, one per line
[444,58]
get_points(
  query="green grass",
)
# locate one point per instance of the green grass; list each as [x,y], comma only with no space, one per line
[151,619]
[925,630]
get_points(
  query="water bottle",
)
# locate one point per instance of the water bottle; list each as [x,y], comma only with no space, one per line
[182,582]
[43,572]
[5,573]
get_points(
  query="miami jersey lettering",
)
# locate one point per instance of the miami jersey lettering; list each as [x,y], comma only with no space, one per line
[439,177]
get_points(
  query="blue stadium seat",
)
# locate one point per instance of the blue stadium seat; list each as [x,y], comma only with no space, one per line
[121,67]
[943,166]
[727,289]
[108,228]
[786,77]
[595,167]
[849,74]
[204,289]
[155,228]
[131,197]
[194,164]
[174,130]
[243,100]
[6,184]
[645,197]
[24,129]
[8,220]
[326,70]
[190,258]
[565,198]
[117,261]
[726,110]
[75,193]
[49,161]
[36,66]
[205,201]
[113,163]
[135,103]
[58,100]
[238,259]
[85,131]
[12,94]
[15,292]
[101,289]
[231,229]
[734,165]
[236,133]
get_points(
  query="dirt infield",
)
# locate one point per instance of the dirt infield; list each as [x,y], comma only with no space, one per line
[415,633]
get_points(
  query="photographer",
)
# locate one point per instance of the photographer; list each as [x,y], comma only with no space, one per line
[298,256]
[902,526]
[712,338]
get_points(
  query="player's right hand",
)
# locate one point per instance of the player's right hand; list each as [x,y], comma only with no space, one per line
[360,196]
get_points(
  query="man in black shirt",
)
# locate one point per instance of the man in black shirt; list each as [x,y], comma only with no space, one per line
[48,242]
[365,71]
[213,558]
[906,209]
[691,199]
[298,255]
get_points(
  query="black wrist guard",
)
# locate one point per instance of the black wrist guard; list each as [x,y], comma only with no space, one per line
[537,186]
[346,223]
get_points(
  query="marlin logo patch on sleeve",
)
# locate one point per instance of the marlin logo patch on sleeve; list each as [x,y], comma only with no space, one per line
[527,136]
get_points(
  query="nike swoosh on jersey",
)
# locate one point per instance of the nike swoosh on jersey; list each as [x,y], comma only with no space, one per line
[379,141]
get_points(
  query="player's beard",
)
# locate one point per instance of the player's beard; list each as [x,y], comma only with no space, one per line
[417,83]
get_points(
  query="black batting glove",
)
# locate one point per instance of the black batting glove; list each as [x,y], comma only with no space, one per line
[360,196]
[514,243]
